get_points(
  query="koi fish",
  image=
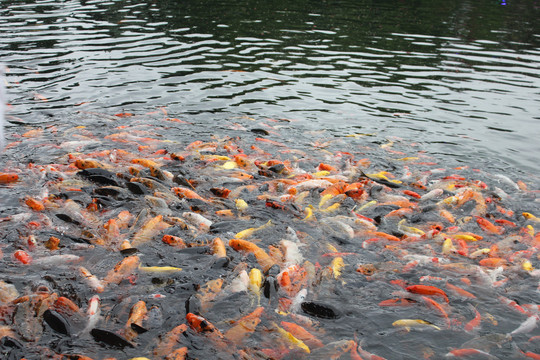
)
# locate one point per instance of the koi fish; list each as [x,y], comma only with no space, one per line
[151,228]
[92,280]
[410,323]
[302,334]
[426,290]
[475,322]
[136,316]
[159,269]
[6,178]
[255,283]
[527,326]
[122,270]
[264,260]
[248,232]
[473,353]
[244,326]
[291,340]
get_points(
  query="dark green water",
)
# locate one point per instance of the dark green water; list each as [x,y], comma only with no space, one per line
[457,76]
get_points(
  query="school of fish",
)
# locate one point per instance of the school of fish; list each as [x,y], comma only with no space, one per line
[134,244]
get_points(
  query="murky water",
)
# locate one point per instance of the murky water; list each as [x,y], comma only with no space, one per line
[440,97]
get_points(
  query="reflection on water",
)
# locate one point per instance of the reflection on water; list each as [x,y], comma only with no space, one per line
[458,77]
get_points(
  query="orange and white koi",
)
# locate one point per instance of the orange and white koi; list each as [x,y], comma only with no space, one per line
[92,280]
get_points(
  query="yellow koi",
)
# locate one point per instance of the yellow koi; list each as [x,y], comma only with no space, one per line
[331,208]
[248,232]
[294,342]
[448,247]
[309,212]
[159,269]
[229,165]
[464,237]
[366,205]
[321,173]
[382,176]
[337,265]
[479,252]
[527,266]
[409,158]
[530,216]
[409,229]
[255,283]
[241,205]
[214,157]
[324,200]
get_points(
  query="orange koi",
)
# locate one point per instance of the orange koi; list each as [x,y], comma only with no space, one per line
[52,243]
[221,192]
[412,194]
[506,223]
[22,256]
[384,235]
[136,316]
[245,326]
[87,164]
[397,302]
[182,192]
[145,162]
[174,241]
[169,341]
[124,115]
[151,228]
[264,260]
[436,306]
[492,262]
[475,322]
[399,212]
[426,290]
[271,142]
[530,354]
[488,226]
[218,248]
[122,270]
[178,354]
[512,304]
[65,306]
[460,291]
[6,178]
[34,204]
[469,353]
[447,216]
[201,325]
[241,176]
[32,133]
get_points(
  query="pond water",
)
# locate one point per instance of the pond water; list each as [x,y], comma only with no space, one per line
[460,77]
[376,162]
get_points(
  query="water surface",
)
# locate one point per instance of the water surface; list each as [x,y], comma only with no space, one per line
[459,77]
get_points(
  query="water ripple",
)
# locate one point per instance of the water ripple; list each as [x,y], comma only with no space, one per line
[320,68]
